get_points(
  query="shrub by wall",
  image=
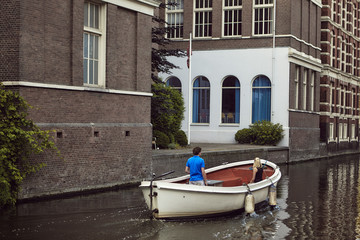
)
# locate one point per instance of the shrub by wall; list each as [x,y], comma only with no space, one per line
[261,133]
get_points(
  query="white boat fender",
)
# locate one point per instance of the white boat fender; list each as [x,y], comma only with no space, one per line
[249,203]
[272,195]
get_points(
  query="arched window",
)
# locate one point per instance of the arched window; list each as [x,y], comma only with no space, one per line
[230,100]
[174,82]
[201,100]
[261,99]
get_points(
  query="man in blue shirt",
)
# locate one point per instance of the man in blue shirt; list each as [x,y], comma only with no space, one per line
[196,167]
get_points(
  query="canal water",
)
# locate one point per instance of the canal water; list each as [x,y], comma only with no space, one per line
[316,200]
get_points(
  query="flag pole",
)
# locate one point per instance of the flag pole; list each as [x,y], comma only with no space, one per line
[189,88]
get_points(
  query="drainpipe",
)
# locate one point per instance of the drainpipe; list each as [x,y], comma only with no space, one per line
[273,56]
[189,88]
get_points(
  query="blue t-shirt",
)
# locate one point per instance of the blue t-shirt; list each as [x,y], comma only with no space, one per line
[195,164]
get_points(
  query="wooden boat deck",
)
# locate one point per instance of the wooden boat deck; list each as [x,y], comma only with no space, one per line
[236,176]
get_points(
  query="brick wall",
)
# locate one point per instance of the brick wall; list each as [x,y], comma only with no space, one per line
[104,138]
[9,40]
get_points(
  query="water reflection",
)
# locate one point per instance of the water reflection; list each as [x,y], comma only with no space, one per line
[316,200]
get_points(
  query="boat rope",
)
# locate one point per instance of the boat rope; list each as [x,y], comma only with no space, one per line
[272,183]
[248,188]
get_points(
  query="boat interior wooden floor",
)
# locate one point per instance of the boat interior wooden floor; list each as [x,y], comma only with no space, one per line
[236,176]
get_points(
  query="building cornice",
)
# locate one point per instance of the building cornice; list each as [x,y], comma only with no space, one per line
[143,6]
[318,3]
[337,74]
[305,60]
[75,88]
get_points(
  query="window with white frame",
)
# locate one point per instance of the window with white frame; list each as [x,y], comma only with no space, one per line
[230,110]
[354,59]
[343,56]
[261,99]
[353,102]
[333,50]
[174,82]
[263,17]
[297,77]
[94,44]
[304,95]
[175,18]
[201,100]
[340,131]
[345,131]
[232,16]
[343,99]
[353,136]
[312,91]
[331,131]
[331,96]
[203,18]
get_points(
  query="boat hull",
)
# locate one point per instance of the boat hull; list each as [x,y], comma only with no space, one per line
[177,200]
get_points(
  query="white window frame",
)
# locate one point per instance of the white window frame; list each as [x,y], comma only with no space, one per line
[297,77]
[331,96]
[354,59]
[99,32]
[206,12]
[263,5]
[177,14]
[312,91]
[235,7]
[345,133]
[340,131]
[305,80]
[331,132]
[353,127]
[333,50]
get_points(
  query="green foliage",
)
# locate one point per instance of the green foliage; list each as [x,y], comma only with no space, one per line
[162,140]
[20,138]
[181,138]
[161,51]
[267,133]
[172,146]
[261,133]
[167,109]
[244,135]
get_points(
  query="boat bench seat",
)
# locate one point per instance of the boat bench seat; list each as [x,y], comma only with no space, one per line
[232,181]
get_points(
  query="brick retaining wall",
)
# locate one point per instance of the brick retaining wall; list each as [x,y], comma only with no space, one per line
[162,163]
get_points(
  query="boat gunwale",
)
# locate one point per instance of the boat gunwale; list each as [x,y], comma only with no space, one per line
[170,185]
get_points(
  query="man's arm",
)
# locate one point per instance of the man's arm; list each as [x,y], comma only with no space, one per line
[187,169]
[204,175]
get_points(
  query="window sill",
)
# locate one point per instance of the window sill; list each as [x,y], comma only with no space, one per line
[229,125]
[200,124]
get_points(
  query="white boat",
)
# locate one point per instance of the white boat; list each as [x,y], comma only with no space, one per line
[227,189]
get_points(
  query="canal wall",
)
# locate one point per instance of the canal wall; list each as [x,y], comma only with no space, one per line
[175,161]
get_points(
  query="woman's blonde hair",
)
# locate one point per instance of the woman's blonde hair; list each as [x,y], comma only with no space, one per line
[257,163]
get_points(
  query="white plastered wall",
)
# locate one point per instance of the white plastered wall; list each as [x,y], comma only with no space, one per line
[245,64]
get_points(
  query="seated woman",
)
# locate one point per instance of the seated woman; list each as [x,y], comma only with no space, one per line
[257,171]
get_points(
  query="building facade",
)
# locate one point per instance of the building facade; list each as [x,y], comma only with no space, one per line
[339,102]
[85,67]
[251,60]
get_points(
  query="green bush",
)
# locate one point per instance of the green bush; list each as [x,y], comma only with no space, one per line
[267,133]
[167,109]
[162,140]
[244,135]
[181,138]
[172,146]
[20,139]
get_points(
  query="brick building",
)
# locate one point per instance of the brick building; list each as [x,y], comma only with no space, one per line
[251,60]
[339,82]
[85,67]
